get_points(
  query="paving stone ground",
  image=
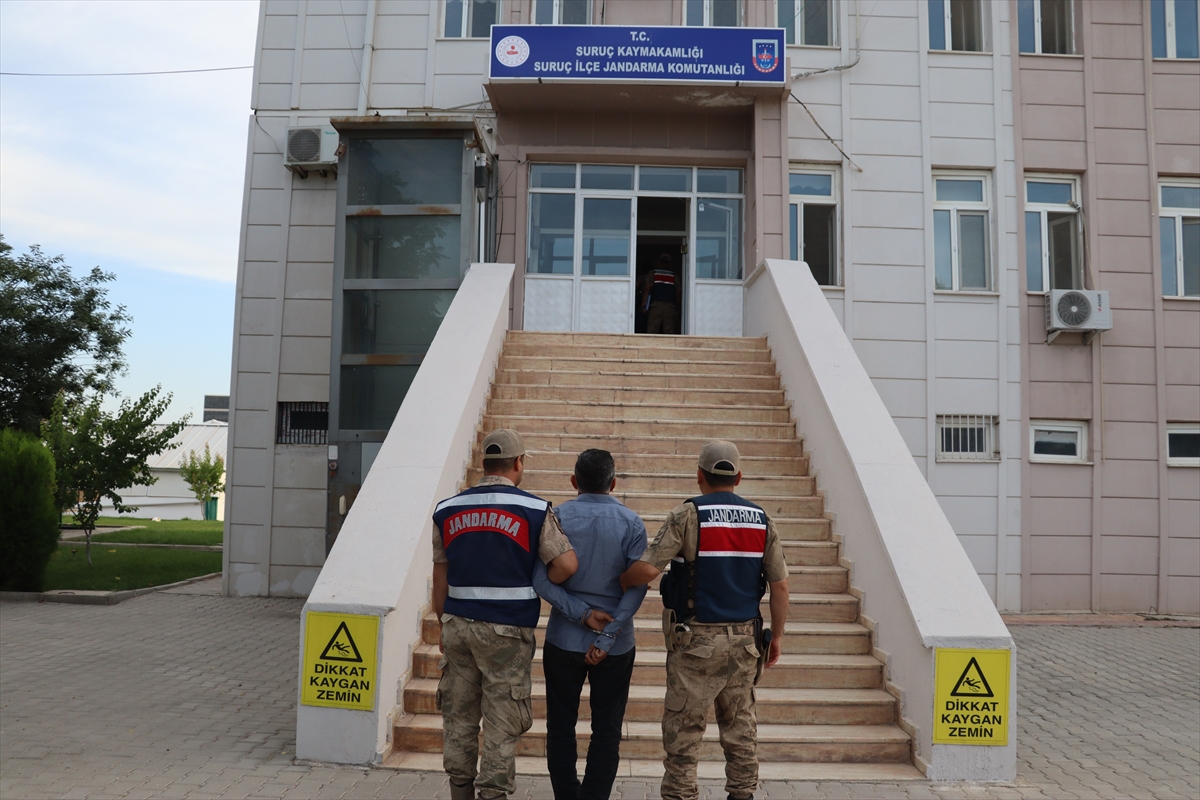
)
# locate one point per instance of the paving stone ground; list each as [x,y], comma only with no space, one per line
[187,694]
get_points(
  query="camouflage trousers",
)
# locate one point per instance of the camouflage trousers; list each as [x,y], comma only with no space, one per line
[485,675]
[717,668]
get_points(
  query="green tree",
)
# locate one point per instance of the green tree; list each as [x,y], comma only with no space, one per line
[205,475]
[58,333]
[28,515]
[98,453]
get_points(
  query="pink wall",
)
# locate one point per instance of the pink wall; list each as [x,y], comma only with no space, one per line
[1121,534]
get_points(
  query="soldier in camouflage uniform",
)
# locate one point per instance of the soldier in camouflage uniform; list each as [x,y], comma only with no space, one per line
[485,540]
[725,551]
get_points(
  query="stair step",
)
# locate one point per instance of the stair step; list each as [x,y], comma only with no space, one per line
[624,428]
[656,503]
[681,486]
[601,410]
[622,351]
[601,393]
[794,670]
[651,444]
[669,464]
[820,743]
[776,706]
[652,770]
[680,365]
[843,638]
[659,340]
[624,377]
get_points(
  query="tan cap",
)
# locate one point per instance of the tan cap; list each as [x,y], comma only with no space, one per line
[504,443]
[719,457]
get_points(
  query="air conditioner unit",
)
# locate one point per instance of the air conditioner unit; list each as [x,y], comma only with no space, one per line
[1077,310]
[311,147]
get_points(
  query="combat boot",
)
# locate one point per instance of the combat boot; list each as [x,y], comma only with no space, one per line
[466,792]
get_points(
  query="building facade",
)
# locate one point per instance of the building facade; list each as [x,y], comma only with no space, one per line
[915,157]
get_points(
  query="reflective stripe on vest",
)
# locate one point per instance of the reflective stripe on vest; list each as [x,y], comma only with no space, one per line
[493,593]
[664,276]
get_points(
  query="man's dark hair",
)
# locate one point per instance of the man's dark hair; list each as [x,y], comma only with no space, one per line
[594,471]
[719,481]
[494,466]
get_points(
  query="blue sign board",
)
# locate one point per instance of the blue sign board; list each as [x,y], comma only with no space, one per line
[618,53]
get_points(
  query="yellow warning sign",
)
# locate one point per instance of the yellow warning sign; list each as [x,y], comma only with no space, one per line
[339,660]
[971,697]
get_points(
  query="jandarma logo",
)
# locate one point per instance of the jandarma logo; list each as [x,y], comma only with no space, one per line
[766,54]
[512,51]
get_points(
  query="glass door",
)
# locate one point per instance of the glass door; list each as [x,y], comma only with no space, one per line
[604,293]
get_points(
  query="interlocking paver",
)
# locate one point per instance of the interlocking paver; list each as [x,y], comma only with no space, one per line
[187,694]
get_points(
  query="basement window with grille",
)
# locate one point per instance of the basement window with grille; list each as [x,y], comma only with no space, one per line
[302,423]
[967,437]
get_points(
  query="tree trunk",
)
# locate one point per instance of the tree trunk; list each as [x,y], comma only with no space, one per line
[87,536]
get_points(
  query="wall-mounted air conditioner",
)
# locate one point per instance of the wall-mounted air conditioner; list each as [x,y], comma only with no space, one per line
[312,148]
[1077,310]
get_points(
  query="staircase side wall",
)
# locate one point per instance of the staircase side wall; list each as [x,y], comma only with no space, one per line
[383,557]
[919,586]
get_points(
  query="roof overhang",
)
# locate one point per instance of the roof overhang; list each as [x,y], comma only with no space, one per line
[659,96]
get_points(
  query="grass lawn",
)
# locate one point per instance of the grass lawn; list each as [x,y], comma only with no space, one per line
[119,568]
[169,531]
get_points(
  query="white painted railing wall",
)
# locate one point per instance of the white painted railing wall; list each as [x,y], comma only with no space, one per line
[919,587]
[382,561]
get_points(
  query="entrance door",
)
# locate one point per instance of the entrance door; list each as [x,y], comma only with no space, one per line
[662,244]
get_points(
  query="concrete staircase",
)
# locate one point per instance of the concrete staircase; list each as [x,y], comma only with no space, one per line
[652,400]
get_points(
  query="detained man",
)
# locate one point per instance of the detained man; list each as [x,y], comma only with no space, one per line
[590,635]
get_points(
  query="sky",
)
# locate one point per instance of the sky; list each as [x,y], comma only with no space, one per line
[141,176]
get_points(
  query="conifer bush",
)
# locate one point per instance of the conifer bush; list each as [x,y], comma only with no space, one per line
[29,516]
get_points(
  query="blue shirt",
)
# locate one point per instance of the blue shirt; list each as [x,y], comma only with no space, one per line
[608,538]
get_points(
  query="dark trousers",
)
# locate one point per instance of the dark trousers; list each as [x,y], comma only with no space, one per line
[565,674]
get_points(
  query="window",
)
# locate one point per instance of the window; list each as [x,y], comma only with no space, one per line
[1052,229]
[713,13]
[471,19]
[1058,442]
[406,242]
[961,241]
[302,423]
[810,22]
[967,438]
[814,223]
[562,12]
[1175,28]
[956,25]
[1179,228]
[1183,444]
[1045,26]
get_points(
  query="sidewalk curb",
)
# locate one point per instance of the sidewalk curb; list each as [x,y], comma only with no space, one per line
[92,598]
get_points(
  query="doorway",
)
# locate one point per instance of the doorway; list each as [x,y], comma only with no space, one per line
[662,244]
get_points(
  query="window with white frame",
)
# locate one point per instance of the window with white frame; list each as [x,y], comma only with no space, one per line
[957,25]
[1183,444]
[1046,26]
[967,437]
[1179,245]
[1058,441]
[961,238]
[1175,28]
[808,22]
[562,12]
[813,222]
[471,19]
[1053,251]
[713,13]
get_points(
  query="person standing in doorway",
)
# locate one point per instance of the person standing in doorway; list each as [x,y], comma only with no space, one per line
[486,541]
[663,293]
[726,552]
[590,635]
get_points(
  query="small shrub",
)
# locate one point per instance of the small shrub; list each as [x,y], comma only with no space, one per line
[28,513]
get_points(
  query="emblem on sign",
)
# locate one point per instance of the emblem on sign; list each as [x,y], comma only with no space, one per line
[512,51]
[766,54]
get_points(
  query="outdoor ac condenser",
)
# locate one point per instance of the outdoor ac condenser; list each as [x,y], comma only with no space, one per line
[1077,310]
[311,147]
